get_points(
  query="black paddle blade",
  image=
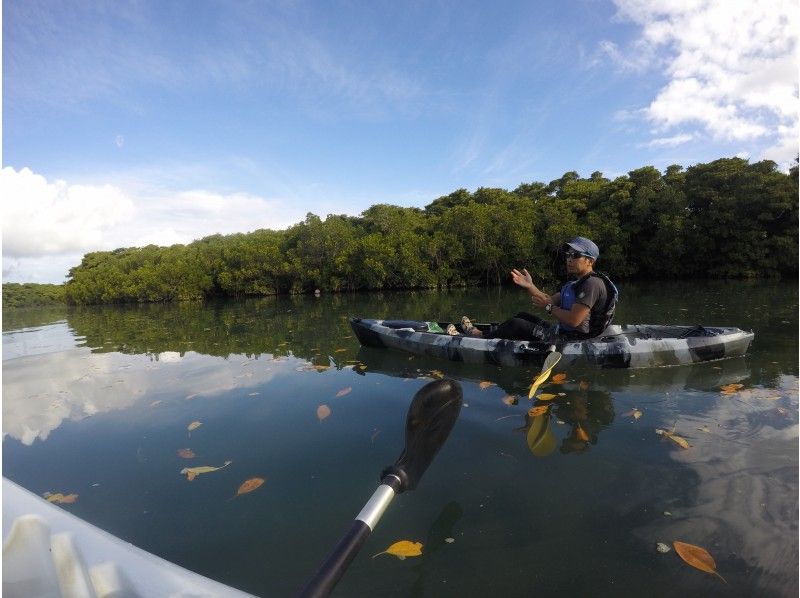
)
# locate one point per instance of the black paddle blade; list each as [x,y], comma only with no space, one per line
[431,416]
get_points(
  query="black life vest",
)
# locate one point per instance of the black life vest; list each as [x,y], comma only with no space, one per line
[599,319]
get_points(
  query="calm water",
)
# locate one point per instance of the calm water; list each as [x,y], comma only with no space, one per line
[97,402]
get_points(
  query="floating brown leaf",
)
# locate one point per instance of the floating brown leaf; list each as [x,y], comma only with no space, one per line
[403,549]
[538,410]
[729,389]
[192,472]
[559,379]
[546,396]
[323,411]
[186,453]
[681,442]
[583,385]
[697,557]
[344,391]
[580,434]
[510,400]
[249,486]
[485,384]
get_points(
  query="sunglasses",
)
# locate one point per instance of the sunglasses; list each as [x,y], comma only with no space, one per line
[573,255]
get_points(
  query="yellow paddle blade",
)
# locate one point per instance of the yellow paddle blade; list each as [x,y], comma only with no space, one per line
[549,363]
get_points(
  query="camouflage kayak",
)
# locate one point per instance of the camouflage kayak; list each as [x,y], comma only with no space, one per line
[620,346]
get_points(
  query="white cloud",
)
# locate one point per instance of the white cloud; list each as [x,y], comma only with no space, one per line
[671,141]
[42,218]
[731,66]
[48,226]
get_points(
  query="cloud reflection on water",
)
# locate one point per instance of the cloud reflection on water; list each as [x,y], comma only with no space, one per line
[42,391]
[741,503]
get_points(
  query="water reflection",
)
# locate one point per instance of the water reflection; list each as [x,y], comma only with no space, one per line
[585,414]
[99,403]
[741,498]
[440,534]
[40,392]
[516,381]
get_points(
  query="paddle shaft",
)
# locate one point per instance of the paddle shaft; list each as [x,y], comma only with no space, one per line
[336,563]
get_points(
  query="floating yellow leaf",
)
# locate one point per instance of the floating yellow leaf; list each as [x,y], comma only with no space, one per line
[323,411]
[344,391]
[193,426]
[634,413]
[559,379]
[403,549]
[249,486]
[580,434]
[485,384]
[192,472]
[186,453]
[681,442]
[510,400]
[546,396]
[61,498]
[538,410]
[697,557]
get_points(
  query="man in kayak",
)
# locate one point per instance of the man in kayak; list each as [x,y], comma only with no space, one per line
[582,308]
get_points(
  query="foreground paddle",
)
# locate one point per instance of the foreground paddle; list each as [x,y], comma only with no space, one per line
[552,359]
[431,416]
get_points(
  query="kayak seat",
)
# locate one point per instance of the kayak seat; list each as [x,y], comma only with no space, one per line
[698,331]
[412,324]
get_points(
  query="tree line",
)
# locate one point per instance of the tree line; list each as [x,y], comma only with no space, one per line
[724,219]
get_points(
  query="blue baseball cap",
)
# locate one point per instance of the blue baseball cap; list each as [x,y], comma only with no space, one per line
[584,246]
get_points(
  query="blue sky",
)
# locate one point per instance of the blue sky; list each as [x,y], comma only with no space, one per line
[161,122]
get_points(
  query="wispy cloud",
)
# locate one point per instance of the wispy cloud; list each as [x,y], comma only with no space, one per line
[678,139]
[80,55]
[731,67]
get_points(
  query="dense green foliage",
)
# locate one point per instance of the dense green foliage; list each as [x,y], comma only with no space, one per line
[725,219]
[31,294]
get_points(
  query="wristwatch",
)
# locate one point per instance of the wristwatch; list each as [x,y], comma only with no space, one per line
[549,308]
